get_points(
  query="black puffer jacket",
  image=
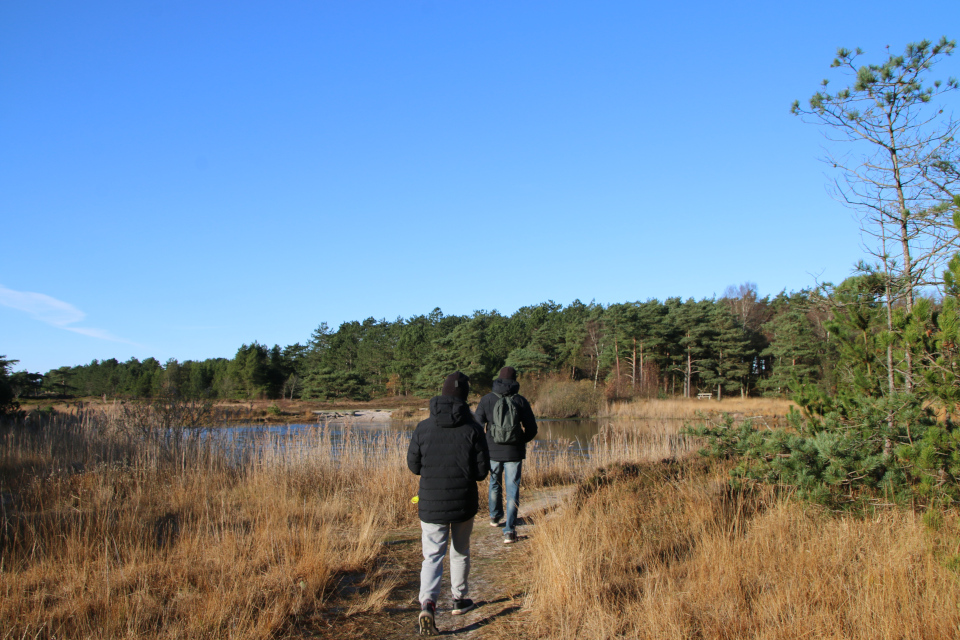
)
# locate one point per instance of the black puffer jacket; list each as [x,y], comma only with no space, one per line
[449,453]
[507,452]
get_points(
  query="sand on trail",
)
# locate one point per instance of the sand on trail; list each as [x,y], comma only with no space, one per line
[496,584]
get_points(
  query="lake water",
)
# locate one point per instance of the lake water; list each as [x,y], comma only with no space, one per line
[572,434]
[639,439]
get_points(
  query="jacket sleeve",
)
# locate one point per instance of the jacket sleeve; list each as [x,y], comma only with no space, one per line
[481,415]
[413,453]
[482,453]
[528,421]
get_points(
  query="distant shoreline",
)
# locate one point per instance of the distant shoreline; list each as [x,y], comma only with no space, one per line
[271,412]
[367,415]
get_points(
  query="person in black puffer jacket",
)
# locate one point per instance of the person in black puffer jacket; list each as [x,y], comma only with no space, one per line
[506,460]
[449,452]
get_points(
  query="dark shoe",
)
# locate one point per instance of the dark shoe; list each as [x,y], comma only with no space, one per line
[462,606]
[427,619]
[510,538]
[494,522]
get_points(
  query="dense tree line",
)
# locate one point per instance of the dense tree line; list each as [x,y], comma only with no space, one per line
[739,344]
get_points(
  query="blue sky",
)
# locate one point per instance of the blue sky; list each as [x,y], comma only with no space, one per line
[180,178]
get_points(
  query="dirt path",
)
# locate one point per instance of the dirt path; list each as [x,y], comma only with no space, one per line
[495,585]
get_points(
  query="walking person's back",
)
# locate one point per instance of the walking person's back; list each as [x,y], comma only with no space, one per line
[449,453]
[510,424]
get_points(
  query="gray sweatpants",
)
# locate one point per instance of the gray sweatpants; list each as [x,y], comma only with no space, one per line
[435,538]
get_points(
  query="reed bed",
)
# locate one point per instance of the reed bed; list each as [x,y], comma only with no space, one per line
[689,409]
[552,463]
[645,440]
[117,528]
[667,550]
[655,436]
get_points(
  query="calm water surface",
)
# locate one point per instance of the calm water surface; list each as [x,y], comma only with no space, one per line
[575,434]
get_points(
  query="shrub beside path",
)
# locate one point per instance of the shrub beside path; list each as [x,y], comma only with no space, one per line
[382,604]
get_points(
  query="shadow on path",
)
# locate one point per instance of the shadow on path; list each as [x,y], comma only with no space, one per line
[482,622]
[496,576]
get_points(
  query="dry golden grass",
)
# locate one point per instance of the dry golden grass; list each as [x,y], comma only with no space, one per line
[113,528]
[643,430]
[687,409]
[667,550]
[640,440]
[184,540]
[552,463]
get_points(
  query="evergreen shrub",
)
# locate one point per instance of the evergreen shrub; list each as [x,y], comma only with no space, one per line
[860,452]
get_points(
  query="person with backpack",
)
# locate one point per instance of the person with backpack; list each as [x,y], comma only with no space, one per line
[449,453]
[510,425]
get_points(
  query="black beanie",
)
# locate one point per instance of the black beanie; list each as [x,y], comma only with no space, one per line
[457,385]
[508,373]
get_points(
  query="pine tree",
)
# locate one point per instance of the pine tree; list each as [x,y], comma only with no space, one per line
[729,364]
[794,349]
[903,175]
[898,183]
[691,323]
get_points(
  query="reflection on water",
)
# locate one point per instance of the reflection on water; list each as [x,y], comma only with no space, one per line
[302,441]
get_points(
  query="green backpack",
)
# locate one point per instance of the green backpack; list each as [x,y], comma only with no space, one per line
[505,428]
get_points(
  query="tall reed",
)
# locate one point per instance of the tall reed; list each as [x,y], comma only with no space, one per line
[116,525]
[638,441]
[554,462]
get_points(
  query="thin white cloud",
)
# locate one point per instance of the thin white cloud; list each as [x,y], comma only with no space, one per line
[41,306]
[54,312]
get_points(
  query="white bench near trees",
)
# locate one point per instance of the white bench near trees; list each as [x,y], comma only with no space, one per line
[704,396]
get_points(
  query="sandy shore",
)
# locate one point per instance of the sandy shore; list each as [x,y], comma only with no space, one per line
[367,415]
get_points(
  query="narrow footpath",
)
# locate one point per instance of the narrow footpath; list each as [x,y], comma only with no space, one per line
[495,585]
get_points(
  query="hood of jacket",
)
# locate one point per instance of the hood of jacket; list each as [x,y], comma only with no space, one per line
[449,411]
[505,387]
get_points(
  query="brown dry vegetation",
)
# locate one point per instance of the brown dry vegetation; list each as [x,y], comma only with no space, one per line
[688,409]
[110,533]
[559,398]
[667,550]
[246,411]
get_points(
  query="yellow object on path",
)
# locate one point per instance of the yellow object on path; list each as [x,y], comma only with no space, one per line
[415,499]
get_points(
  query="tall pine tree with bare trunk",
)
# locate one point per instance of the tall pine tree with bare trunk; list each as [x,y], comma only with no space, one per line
[894,167]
